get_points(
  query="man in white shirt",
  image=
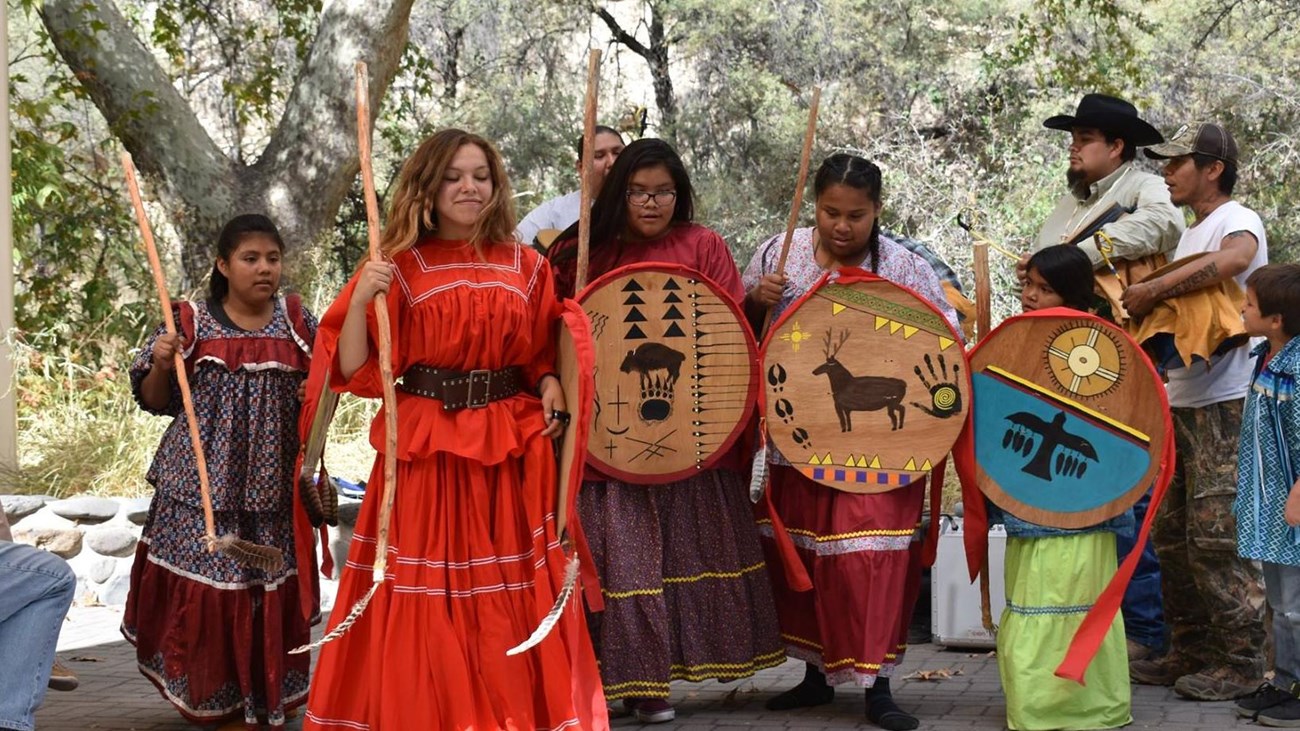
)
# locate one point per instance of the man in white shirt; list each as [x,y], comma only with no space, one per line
[1214,600]
[560,213]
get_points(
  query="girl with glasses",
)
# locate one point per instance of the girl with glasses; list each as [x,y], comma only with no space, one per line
[686,594]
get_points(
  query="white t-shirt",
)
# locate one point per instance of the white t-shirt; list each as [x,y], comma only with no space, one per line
[557,213]
[1226,378]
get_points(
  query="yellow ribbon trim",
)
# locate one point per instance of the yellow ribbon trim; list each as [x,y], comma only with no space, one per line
[714,575]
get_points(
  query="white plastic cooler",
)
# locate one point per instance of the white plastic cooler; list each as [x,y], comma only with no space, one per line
[954,598]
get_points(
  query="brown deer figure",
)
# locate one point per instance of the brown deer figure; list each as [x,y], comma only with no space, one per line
[860,393]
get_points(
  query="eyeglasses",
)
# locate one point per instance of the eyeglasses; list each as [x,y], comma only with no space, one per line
[641,197]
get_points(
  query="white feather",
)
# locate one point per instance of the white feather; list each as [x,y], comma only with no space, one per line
[758,482]
[552,617]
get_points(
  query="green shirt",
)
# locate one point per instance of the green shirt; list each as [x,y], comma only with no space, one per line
[1154,226]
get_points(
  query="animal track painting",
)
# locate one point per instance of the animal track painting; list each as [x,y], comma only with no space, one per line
[881,402]
[676,373]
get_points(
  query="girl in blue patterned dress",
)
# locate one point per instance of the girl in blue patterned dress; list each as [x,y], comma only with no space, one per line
[213,635]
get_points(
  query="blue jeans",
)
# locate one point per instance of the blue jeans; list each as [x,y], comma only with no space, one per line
[1282,587]
[36,589]
[1144,616]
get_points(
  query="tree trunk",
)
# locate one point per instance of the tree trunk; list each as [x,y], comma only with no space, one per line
[301,177]
[656,56]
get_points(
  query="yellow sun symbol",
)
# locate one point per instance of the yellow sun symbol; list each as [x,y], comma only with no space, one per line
[1084,360]
[795,336]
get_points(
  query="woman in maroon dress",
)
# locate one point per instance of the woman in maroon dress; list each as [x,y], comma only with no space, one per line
[685,589]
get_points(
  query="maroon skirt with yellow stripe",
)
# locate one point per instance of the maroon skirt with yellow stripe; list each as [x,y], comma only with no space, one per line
[864,559]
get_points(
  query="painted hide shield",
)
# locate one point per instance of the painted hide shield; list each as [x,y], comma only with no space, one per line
[1069,418]
[675,372]
[575,359]
[865,384]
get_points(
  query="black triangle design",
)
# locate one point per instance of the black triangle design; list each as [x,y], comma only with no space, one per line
[632,299]
[672,284]
[673,331]
[672,297]
[674,314]
[634,333]
[634,315]
[633,286]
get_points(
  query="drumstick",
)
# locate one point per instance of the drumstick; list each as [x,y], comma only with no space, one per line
[267,558]
[1106,245]
[797,203]
[380,566]
[588,152]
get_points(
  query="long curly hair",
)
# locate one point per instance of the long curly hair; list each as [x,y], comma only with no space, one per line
[411,214]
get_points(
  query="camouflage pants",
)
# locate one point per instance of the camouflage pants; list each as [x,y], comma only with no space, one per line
[1214,599]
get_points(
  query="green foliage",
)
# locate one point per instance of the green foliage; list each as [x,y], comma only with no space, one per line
[76,266]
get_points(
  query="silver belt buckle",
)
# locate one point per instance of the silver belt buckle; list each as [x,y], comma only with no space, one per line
[478,376]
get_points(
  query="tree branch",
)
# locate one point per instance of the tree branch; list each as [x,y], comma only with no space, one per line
[144,110]
[621,35]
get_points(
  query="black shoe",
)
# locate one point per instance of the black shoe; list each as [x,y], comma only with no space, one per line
[811,691]
[884,712]
[1266,695]
[1283,715]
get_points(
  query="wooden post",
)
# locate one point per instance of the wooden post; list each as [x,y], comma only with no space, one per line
[8,385]
[588,152]
[983,305]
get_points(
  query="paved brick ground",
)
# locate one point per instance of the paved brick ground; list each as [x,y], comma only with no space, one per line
[113,694]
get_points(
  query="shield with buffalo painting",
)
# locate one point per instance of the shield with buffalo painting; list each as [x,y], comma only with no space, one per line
[675,372]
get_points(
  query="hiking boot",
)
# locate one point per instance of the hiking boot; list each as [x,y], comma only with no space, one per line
[1160,671]
[1266,695]
[62,677]
[1283,715]
[1138,651]
[1222,684]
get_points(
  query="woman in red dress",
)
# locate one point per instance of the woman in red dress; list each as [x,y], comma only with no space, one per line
[475,562]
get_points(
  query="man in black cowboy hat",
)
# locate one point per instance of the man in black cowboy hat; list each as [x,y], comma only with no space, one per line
[1105,133]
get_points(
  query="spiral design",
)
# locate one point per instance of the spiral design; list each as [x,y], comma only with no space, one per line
[945,398]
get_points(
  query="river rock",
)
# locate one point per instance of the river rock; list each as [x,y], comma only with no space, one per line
[65,542]
[136,509]
[85,509]
[17,507]
[118,542]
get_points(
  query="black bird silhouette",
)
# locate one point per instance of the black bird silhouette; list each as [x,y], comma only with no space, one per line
[1053,435]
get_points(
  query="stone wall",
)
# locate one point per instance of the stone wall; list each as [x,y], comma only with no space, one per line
[98,537]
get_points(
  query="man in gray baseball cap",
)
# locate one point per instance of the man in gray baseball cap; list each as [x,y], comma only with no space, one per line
[1214,598]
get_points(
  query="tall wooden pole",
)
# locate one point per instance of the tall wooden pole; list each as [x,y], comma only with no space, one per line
[588,162]
[983,291]
[8,386]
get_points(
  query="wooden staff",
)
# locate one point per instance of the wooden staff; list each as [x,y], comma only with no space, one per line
[588,152]
[380,566]
[797,203]
[266,558]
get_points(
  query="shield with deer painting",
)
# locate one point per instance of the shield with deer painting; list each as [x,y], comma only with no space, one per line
[1071,421]
[676,376]
[865,384]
